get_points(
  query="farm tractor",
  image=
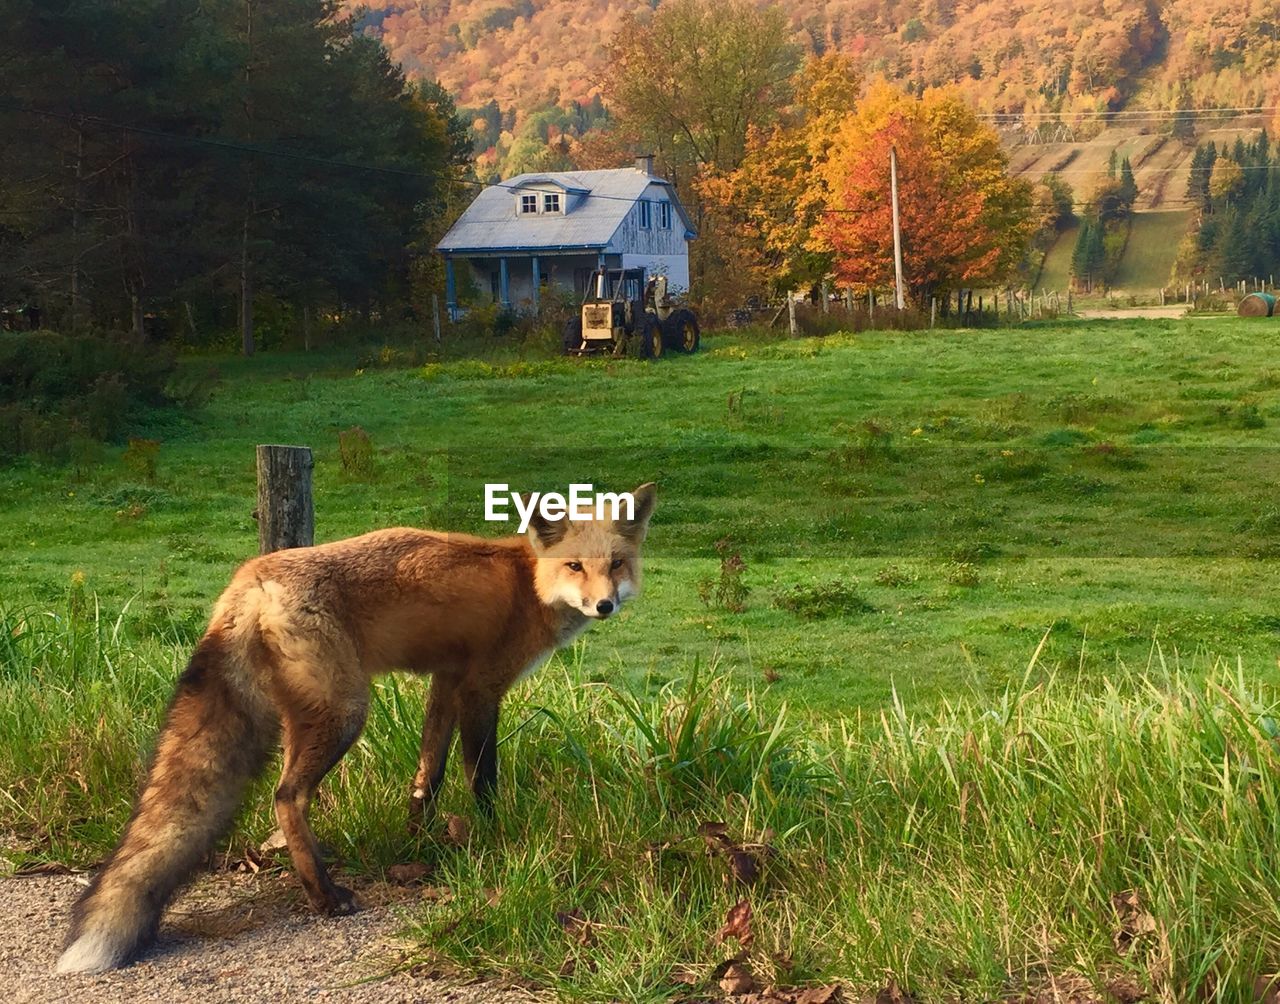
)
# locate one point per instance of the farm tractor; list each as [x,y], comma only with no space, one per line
[623,315]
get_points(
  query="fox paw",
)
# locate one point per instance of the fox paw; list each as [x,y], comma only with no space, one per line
[340,902]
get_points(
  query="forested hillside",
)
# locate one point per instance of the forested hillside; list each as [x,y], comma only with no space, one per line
[1011,55]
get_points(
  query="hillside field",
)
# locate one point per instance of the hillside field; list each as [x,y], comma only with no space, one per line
[963,622]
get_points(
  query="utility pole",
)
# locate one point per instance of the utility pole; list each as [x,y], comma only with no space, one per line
[897,229]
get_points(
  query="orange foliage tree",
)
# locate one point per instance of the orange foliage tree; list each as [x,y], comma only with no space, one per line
[777,196]
[965,221]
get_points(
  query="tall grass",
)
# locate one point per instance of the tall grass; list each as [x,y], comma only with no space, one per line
[1068,834]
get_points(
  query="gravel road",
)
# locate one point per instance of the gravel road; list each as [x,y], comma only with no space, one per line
[231,938]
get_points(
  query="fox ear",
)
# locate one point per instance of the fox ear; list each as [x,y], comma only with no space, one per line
[645,497]
[544,532]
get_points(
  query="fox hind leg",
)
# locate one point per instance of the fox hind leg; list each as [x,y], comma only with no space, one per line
[478,725]
[437,733]
[314,741]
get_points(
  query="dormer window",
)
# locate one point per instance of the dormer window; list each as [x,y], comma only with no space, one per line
[551,202]
[528,204]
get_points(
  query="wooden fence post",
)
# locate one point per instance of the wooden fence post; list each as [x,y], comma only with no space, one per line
[791,314]
[286,515]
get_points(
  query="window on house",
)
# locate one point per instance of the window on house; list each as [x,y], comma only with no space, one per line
[528,204]
[551,202]
[664,215]
[646,214]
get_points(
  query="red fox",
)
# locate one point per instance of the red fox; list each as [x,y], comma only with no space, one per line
[289,653]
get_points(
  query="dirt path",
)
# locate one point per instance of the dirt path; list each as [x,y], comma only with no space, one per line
[229,939]
[1124,313]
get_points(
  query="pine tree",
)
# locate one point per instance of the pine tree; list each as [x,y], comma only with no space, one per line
[1128,184]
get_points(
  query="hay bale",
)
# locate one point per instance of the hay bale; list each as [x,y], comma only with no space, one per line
[1257,305]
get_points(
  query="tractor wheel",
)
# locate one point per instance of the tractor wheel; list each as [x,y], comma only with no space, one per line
[571,340]
[681,331]
[648,340]
[654,344]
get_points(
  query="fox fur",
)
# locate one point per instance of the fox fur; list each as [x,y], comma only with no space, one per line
[289,655]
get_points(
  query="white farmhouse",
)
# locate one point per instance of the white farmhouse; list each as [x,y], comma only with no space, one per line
[540,230]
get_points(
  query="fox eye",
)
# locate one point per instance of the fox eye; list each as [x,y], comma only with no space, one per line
[574,566]
[616,563]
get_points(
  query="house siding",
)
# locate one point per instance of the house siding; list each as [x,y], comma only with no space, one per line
[659,251]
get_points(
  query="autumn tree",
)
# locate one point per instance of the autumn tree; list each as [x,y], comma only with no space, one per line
[777,197]
[687,82]
[965,221]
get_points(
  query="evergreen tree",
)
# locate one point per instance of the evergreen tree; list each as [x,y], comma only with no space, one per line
[1128,184]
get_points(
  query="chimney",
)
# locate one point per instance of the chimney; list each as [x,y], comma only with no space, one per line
[644,163]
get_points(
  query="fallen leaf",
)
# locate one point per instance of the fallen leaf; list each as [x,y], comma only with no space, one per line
[568,966]
[744,866]
[820,995]
[737,924]
[1127,990]
[744,859]
[457,831]
[687,977]
[1133,918]
[493,896]
[409,872]
[437,893]
[737,980]
[715,834]
[894,994]
[275,842]
[576,925]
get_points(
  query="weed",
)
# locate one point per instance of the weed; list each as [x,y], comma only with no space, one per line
[820,600]
[355,449]
[894,576]
[867,444]
[728,591]
[142,459]
[963,573]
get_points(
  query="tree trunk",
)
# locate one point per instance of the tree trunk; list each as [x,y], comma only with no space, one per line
[246,293]
[75,231]
[286,514]
[137,323]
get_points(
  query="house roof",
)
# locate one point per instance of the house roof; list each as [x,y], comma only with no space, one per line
[602,201]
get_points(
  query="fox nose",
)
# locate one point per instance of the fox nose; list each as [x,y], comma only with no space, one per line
[604,608]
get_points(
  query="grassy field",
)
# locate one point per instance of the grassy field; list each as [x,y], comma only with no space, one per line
[977,630]
[1149,255]
[1147,261]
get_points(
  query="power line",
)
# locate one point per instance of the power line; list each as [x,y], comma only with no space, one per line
[1126,113]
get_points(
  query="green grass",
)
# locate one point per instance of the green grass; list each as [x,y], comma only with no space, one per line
[1150,253]
[1056,272]
[917,513]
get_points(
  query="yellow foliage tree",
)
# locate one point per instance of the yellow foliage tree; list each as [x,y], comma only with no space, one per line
[777,196]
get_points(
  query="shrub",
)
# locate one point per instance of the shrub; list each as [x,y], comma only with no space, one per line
[894,576]
[54,387]
[355,449]
[963,573]
[820,600]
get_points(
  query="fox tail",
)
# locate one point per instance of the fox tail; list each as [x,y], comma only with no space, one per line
[216,738]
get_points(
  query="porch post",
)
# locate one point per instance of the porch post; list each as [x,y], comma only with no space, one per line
[600,261]
[504,285]
[450,290]
[537,281]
